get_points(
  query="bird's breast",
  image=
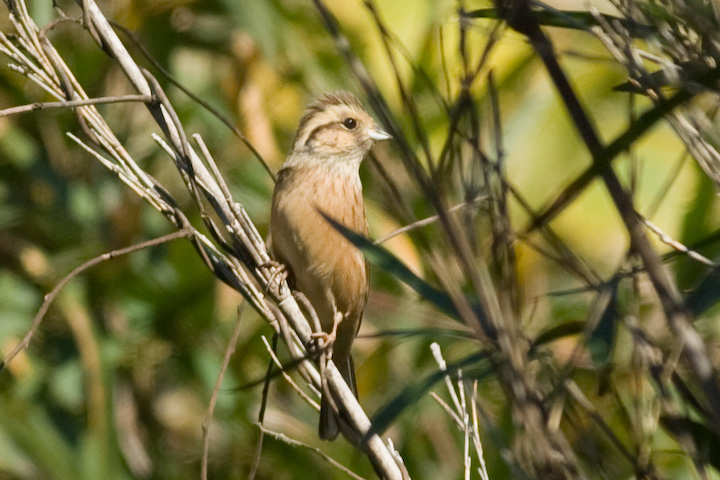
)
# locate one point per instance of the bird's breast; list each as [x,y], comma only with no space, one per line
[320,258]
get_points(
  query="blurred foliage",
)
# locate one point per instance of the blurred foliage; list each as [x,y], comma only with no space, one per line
[116,382]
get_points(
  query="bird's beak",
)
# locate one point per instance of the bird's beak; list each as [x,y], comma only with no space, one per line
[377,134]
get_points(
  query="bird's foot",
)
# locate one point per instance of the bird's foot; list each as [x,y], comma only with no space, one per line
[326,339]
[278,275]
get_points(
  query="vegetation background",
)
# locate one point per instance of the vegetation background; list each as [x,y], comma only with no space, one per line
[117,380]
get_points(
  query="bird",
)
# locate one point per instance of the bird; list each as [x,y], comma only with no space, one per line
[321,177]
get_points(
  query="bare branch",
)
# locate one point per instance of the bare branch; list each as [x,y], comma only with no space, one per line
[50,297]
[73,103]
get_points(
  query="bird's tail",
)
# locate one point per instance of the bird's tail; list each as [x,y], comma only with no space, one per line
[329,426]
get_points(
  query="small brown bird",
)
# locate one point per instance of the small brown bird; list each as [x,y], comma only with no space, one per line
[321,174]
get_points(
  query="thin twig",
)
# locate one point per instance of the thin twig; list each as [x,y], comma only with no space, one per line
[296,443]
[448,409]
[476,433]
[668,240]
[216,391]
[428,220]
[73,103]
[261,413]
[287,377]
[50,297]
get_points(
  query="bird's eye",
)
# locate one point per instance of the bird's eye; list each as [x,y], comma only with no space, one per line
[349,123]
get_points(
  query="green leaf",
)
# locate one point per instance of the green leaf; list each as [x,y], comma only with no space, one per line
[599,328]
[41,442]
[390,263]
[706,442]
[576,20]
[706,295]
[413,392]
[555,333]
[601,338]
